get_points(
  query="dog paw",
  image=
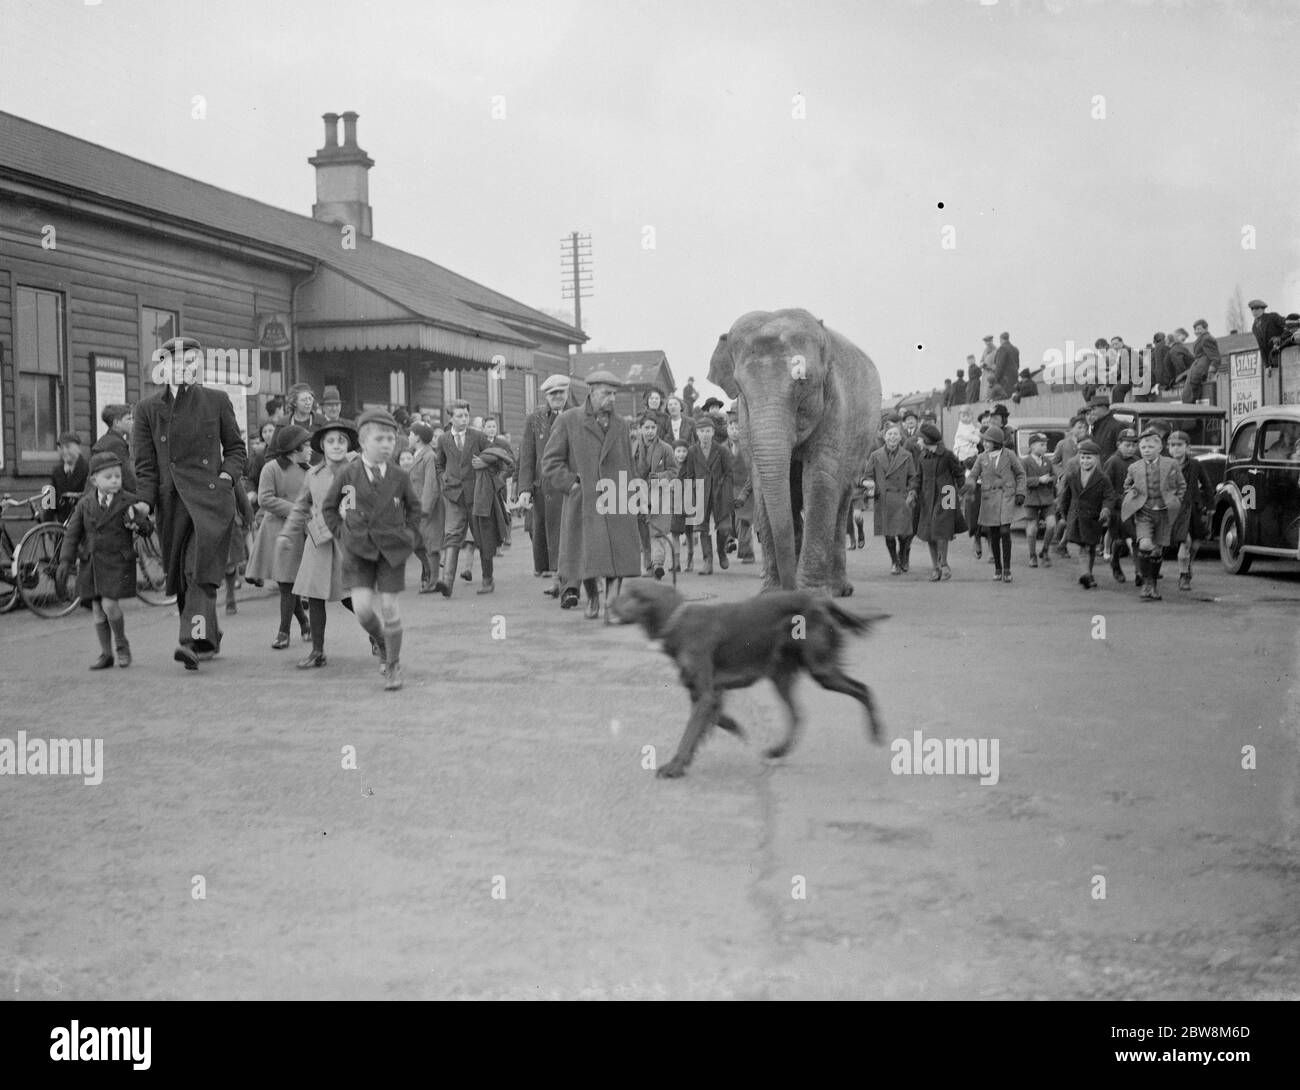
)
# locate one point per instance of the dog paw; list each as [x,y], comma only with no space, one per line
[672,770]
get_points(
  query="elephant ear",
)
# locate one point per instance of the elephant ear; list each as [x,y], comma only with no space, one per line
[722,368]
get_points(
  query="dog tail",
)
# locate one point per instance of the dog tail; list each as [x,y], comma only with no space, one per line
[854,622]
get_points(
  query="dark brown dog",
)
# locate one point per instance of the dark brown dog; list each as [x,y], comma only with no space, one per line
[732,645]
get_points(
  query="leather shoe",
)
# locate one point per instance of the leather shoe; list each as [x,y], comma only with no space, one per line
[430,588]
[468,576]
[569,599]
[313,659]
[487,588]
[393,678]
[442,588]
[124,655]
[552,591]
[102,663]
[231,609]
[186,658]
[281,641]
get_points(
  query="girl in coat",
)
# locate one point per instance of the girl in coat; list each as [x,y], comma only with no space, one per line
[99,537]
[894,477]
[942,477]
[1086,501]
[424,479]
[277,490]
[1000,477]
[307,542]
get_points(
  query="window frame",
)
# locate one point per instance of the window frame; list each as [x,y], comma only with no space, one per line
[40,461]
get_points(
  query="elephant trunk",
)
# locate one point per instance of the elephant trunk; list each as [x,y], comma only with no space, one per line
[773,436]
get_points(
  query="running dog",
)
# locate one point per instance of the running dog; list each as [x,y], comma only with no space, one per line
[733,645]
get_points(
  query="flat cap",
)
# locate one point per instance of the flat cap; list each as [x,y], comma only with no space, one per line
[994,434]
[1126,435]
[603,378]
[331,396]
[555,382]
[1257,303]
[1089,447]
[1151,433]
[1101,401]
[376,416]
[105,459]
[1037,437]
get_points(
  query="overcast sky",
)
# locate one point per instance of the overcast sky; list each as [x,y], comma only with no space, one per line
[680,117]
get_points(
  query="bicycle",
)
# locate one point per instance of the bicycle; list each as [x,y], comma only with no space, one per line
[9,596]
[151,572]
[35,564]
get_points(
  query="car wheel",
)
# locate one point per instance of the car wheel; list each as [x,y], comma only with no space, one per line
[1235,560]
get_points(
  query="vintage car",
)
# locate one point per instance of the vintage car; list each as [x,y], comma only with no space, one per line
[1205,425]
[1257,507]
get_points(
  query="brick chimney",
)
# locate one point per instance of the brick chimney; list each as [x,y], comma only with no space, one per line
[342,177]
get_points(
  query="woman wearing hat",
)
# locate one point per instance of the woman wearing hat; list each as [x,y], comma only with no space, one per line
[942,478]
[305,542]
[892,471]
[1000,477]
[281,481]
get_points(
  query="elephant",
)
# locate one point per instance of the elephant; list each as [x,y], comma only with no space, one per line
[808,405]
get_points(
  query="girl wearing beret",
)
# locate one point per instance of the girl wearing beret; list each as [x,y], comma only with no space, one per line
[942,478]
[305,540]
[281,481]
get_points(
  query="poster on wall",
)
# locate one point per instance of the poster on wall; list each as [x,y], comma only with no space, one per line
[239,399]
[1246,384]
[2,408]
[110,386]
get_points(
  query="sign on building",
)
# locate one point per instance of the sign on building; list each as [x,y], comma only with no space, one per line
[1290,364]
[1245,384]
[273,332]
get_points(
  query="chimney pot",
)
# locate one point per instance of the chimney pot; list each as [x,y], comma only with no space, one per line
[331,130]
[350,129]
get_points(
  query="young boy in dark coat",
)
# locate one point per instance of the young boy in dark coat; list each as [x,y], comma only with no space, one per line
[708,465]
[1085,505]
[1040,498]
[1189,528]
[1120,531]
[374,514]
[100,538]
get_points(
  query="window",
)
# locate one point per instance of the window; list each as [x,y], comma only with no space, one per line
[1202,431]
[157,327]
[41,355]
[495,382]
[271,374]
[530,394]
[1243,444]
[397,387]
[1279,440]
[450,387]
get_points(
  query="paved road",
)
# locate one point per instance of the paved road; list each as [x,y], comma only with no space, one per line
[501,838]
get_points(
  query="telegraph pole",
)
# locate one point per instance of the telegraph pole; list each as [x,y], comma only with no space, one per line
[575,263]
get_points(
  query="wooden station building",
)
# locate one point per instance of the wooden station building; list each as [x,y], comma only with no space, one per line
[103,258]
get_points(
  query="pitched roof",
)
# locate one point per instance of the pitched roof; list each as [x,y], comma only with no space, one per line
[47,156]
[632,368]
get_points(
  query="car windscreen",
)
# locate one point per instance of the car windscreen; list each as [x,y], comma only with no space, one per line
[1054,436]
[1202,431]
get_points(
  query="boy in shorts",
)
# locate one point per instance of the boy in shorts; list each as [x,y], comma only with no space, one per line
[374,514]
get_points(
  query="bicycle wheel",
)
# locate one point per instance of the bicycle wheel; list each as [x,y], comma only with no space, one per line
[8,586]
[151,573]
[35,564]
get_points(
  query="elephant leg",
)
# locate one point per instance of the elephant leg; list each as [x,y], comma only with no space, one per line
[823,528]
[839,583]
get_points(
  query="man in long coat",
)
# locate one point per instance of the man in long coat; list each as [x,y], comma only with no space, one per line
[590,447]
[456,456]
[547,503]
[188,457]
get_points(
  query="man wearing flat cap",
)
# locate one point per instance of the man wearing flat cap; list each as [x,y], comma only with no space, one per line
[1268,327]
[1104,427]
[589,458]
[546,502]
[331,405]
[188,456]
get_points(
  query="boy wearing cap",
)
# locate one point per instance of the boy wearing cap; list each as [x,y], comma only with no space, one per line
[1040,498]
[100,538]
[374,513]
[1189,527]
[331,405]
[1119,532]
[1085,507]
[307,544]
[1153,496]
[118,420]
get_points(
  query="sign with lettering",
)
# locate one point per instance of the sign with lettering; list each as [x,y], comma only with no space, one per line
[110,386]
[1290,365]
[1245,384]
[273,332]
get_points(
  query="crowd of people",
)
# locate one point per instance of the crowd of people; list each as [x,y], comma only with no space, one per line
[1171,362]
[1104,486]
